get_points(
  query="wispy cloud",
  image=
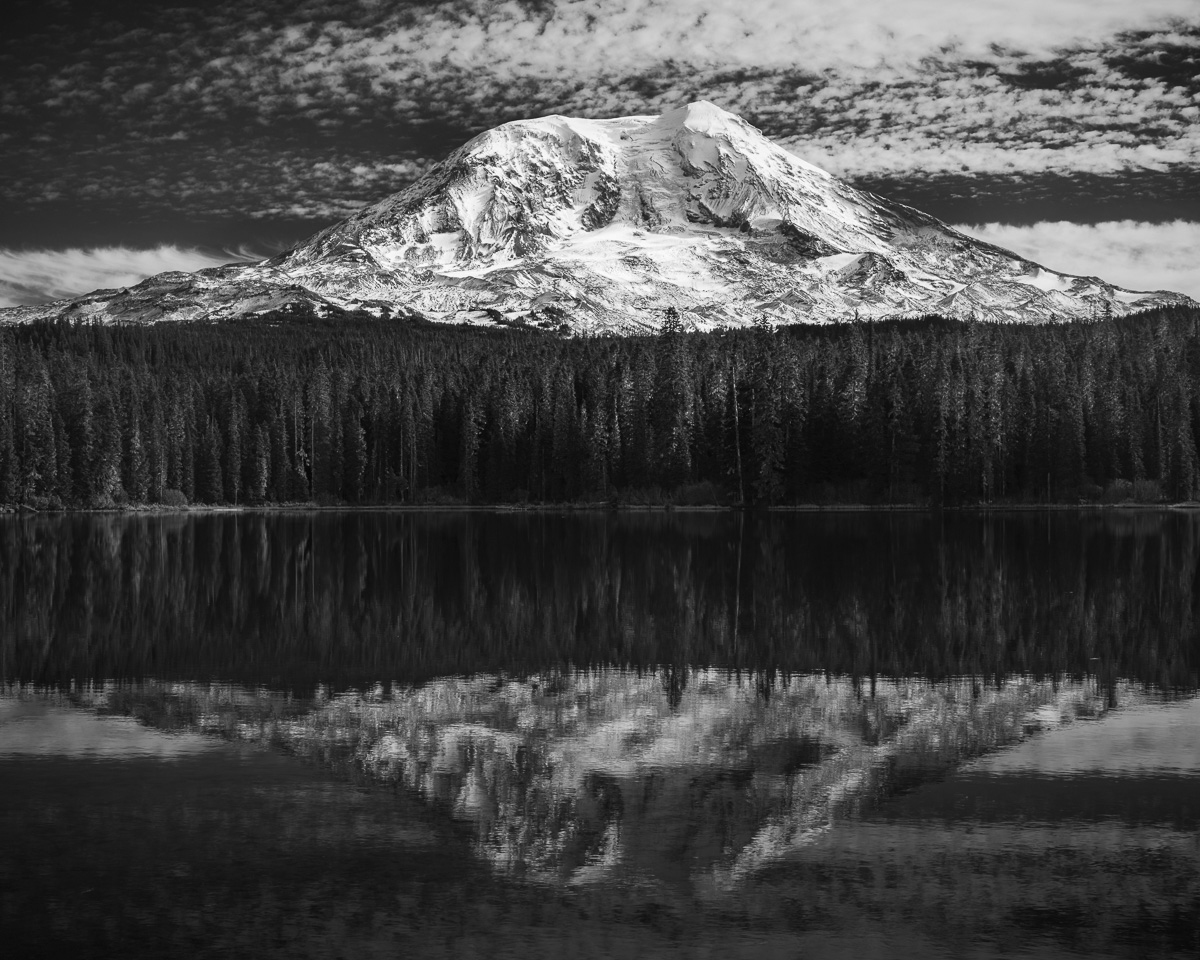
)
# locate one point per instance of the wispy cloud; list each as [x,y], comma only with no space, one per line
[1138,256]
[38,276]
[265,110]
[517,38]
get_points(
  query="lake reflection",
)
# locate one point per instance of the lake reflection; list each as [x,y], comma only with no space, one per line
[454,735]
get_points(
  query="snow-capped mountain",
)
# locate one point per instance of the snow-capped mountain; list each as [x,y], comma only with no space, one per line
[604,224]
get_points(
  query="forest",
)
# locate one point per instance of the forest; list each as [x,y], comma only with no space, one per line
[357,410]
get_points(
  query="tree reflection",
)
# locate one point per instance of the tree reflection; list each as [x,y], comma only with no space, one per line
[345,599]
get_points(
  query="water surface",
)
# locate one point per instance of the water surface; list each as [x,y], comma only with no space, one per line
[632,735]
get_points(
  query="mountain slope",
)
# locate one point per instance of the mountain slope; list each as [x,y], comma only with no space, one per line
[607,223]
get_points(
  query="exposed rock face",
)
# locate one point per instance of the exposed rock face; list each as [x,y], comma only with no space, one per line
[612,222]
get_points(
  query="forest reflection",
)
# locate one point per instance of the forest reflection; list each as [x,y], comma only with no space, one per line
[348,600]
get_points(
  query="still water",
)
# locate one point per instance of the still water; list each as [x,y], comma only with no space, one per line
[684,735]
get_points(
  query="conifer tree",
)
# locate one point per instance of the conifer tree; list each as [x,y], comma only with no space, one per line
[155,442]
[281,473]
[672,418]
[106,467]
[766,433]
[8,454]
[210,479]
[354,450]
[75,402]
[35,442]
[324,471]
[1182,480]
[135,468]
[260,465]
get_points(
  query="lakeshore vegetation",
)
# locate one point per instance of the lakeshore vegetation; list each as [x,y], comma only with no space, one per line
[358,410]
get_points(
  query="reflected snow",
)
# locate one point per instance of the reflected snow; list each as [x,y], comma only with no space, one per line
[700,776]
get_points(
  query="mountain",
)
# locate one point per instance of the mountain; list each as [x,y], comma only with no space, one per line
[605,224]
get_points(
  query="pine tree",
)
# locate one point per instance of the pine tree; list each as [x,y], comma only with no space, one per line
[235,428]
[354,450]
[76,406]
[766,434]
[175,440]
[8,453]
[8,450]
[468,456]
[672,406]
[210,479]
[36,450]
[1182,480]
[280,473]
[735,432]
[260,464]
[61,491]
[106,467]
[135,468]
[156,445]
[318,398]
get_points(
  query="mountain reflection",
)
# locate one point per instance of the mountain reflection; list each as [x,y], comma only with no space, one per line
[607,774]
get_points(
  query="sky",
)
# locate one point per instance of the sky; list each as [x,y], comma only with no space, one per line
[137,137]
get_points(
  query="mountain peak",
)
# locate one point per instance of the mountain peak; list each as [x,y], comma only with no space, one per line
[704,116]
[608,223]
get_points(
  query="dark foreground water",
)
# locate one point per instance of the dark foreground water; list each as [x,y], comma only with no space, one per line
[458,735]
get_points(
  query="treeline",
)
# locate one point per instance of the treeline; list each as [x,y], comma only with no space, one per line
[370,411]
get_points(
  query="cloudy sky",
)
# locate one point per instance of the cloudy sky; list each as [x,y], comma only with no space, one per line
[142,136]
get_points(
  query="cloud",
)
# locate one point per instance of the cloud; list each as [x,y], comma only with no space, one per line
[1138,256]
[585,37]
[39,276]
[269,110]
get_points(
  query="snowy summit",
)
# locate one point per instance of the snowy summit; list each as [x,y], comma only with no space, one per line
[604,224]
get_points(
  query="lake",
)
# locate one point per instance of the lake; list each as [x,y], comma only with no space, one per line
[676,734]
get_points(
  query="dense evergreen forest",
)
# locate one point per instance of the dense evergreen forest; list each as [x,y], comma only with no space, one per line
[358,410]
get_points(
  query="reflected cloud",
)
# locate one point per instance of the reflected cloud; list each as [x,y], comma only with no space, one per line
[1160,742]
[35,728]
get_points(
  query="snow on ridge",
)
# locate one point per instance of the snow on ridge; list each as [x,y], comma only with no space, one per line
[706,118]
[1046,280]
